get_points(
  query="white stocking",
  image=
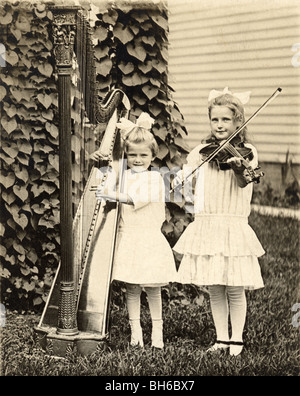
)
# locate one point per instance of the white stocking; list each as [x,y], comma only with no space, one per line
[155,306]
[238,308]
[133,295]
[219,309]
[154,301]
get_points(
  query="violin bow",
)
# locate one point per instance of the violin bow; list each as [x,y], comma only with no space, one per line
[216,152]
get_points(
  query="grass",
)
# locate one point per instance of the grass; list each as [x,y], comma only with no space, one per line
[271,341]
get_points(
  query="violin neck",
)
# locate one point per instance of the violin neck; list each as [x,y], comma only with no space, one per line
[233,151]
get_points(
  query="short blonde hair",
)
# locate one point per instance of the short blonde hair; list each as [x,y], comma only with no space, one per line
[142,135]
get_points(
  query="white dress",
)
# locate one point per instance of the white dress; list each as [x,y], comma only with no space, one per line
[219,246]
[143,255]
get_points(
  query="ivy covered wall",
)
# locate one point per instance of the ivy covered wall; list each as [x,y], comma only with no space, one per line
[131,51]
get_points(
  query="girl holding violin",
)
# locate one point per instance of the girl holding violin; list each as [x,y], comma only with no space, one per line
[219,249]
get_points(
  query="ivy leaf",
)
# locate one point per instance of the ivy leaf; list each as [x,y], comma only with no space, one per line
[20,94]
[137,50]
[8,180]
[26,130]
[104,66]
[38,209]
[11,110]
[101,52]
[134,80]
[163,151]
[48,115]
[9,124]
[22,174]
[155,109]
[10,259]
[40,11]
[38,190]
[8,160]
[160,21]
[2,230]
[2,248]
[21,234]
[146,26]
[150,91]
[105,82]
[164,52]
[28,286]
[37,301]
[4,273]
[23,159]
[123,33]
[11,57]
[45,222]
[145,67]
[155,82]
[10,222]
[10,150]
[160,132]
[135,29]
[21,192]
[32,256]
[139,16]
[126,68]
[101,33]
[6,19]
[2,92]
[52,129]
[17,33]
[159,65]
[7,79]
[168,228]
[149,40]
[23,23]
[54,161]
[110,17]
[25,147]
[180,142]
[21,220]
[141,100]
[18,248]
[18,283]
[45,100]
[45,69]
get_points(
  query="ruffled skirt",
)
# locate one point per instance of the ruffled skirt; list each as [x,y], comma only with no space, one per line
[144,257]
[218,249]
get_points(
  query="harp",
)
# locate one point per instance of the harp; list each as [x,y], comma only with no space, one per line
[75,313]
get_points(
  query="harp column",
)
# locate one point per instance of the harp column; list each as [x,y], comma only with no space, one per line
[64,31]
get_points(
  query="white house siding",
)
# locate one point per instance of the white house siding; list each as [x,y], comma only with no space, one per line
[245,45]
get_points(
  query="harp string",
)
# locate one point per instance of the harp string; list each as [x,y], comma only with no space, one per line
[84,99]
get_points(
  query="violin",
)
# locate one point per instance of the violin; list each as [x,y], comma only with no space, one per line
[236,149]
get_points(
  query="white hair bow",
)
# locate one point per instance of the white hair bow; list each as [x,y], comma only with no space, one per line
[242,96]
[144,121]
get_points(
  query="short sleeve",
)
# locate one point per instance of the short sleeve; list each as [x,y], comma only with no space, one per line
[147,188]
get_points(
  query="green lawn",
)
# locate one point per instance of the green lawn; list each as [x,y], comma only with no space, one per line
[271,340]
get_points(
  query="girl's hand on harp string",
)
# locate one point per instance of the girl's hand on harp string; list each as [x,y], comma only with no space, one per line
[97,156]
[104,194]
